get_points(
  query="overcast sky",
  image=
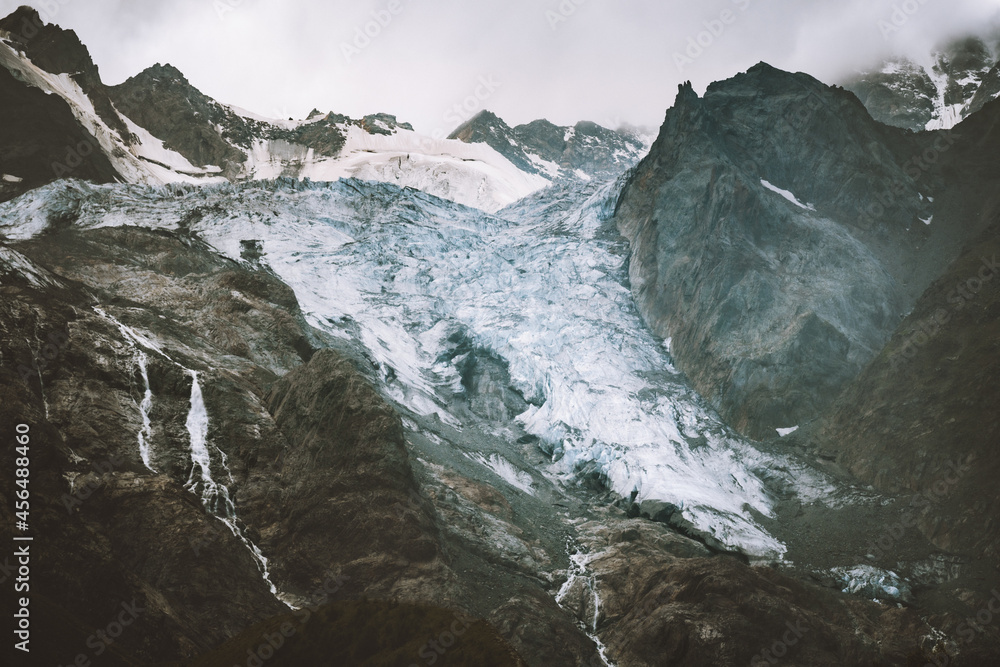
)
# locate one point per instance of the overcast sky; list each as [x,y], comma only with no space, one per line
[609,61]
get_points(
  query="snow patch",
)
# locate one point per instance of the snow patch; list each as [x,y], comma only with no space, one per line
[787,195]
[506,471]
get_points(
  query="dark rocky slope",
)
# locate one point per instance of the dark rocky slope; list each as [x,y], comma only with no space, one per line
[324,486]
[368,632]
[41,140]
[344,500]
[920,419]
[922,416]
[60,51]
[773,306]
[209,133]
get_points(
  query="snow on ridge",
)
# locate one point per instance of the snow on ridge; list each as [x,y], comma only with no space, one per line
[787,195]
[551,169]
[471,174]
[170,165]
[13,262]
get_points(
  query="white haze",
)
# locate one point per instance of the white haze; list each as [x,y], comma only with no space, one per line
[602,60]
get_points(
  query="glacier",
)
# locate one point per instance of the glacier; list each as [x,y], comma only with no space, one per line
[540,284]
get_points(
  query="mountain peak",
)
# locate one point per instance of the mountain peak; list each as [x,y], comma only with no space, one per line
[484,127]
[19,16]
[50,47]
[160,72]
[685,95]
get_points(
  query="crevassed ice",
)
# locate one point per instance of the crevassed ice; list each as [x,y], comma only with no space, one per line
[535,284]
[545,297]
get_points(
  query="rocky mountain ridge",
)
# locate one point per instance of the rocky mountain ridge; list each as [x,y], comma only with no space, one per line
[157,128]
[956,81]
[384,424]
[585,150]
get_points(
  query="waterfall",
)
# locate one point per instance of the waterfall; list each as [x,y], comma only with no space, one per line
[146,432]
[579,560]
[215,497]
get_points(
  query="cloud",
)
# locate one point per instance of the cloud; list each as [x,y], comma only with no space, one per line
[609,61]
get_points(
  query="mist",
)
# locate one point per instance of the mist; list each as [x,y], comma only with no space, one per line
[436,63]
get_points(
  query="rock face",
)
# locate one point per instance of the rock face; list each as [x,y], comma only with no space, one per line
[205,452]
[40,140]
[938,95]
[760,247]
[900,93]
[346,493]
[346,441]
[61,52]
[312,461]
[920,419]
[988,90]
[118,533]
[541,147]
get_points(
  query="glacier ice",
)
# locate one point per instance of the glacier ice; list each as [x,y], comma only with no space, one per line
[540,285]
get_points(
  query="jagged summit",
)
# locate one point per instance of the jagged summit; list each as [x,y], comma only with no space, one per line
[159,71]
[583,151]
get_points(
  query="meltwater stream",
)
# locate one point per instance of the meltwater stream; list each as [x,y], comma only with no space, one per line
[146,432]
[214,496]
[578,574]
